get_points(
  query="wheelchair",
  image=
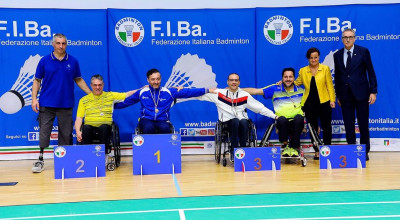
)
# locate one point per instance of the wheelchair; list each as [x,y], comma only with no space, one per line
[315,140]
[139,131]
[222,141]
[115,144]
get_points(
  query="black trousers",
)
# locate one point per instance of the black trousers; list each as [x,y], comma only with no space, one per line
[350,108]
[323,112]
[290,128]
[238,132]
[102,133]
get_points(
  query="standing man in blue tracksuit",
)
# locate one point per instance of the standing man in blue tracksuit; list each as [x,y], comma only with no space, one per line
[156,102]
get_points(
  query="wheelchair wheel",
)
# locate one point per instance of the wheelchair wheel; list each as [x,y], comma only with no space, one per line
[224,162]
[217,152]
[110,166]
[117,146]
[304,162]
[252,134]
[217,142]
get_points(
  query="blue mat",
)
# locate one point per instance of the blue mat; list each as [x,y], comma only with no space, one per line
[9,184]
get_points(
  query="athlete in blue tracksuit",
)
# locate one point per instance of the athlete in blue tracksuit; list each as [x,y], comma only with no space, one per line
[156,102]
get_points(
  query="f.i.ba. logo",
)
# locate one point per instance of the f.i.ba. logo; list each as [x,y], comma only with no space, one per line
[129,32]
[278,29]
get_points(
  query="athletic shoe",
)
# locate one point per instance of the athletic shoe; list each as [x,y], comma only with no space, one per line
[293,152]
[38,166]
[286,152]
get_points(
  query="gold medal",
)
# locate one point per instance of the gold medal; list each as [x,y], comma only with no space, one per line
[156,110]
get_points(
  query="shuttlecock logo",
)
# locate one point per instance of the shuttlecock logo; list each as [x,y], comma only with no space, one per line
[190,71]
[278,29]
[129,32]
[20,94]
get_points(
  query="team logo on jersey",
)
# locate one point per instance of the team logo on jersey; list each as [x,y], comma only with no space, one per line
[129,31]
[138,140]
[278,29]
[60,152]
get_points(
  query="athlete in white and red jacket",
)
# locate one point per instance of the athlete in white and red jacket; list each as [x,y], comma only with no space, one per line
[232,104]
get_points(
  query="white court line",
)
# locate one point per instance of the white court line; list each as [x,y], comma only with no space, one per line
[211,208]
[182,214]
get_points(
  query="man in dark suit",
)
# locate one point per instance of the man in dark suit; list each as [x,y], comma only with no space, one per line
[356,87]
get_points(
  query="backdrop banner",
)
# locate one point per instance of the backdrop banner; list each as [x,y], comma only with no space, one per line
[285,34]
[25,37]
[192,48]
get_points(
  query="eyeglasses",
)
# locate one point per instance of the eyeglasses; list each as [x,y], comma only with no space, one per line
[233,80]
[348,37]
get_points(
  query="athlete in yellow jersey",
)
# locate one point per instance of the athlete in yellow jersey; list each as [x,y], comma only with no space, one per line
[97,109]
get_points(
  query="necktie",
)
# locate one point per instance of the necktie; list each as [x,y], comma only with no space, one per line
[348,61]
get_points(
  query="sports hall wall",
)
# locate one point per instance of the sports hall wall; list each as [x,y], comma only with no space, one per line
[192,48]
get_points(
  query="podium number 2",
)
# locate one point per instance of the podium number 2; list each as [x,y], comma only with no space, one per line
[158,156]
[79,170]
[343,158]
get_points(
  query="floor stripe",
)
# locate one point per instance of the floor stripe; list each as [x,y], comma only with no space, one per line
[233,207]
[182,214]
[178,189]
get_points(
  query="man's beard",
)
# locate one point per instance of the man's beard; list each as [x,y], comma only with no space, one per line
[284,84]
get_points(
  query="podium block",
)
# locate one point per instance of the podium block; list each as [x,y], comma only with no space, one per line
[156,154]
[79,161]
[342,156]
[257,158]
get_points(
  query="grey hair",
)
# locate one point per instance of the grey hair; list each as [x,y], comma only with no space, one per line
[59,35]
[351,30]
[97,76]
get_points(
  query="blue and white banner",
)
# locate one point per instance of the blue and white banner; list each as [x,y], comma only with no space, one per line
[201,47]
[285,34]
[191,48]
[25,37]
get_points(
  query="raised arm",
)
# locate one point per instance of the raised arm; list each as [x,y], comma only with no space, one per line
[132,99]
[188,92]
[258,107]
[254,91]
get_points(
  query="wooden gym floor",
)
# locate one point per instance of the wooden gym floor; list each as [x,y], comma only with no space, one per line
[200,176]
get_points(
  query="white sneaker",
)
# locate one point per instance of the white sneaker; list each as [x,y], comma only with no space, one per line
[38,166]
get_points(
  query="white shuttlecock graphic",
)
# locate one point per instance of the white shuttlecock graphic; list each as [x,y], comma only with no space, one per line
[190,71]
[20,94]
[329,61]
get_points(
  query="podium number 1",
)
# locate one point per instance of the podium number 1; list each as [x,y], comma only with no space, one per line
[158,156]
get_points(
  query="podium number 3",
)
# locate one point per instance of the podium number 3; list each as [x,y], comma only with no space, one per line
[343,158]
[79,170]
[258,162]
[158,156]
